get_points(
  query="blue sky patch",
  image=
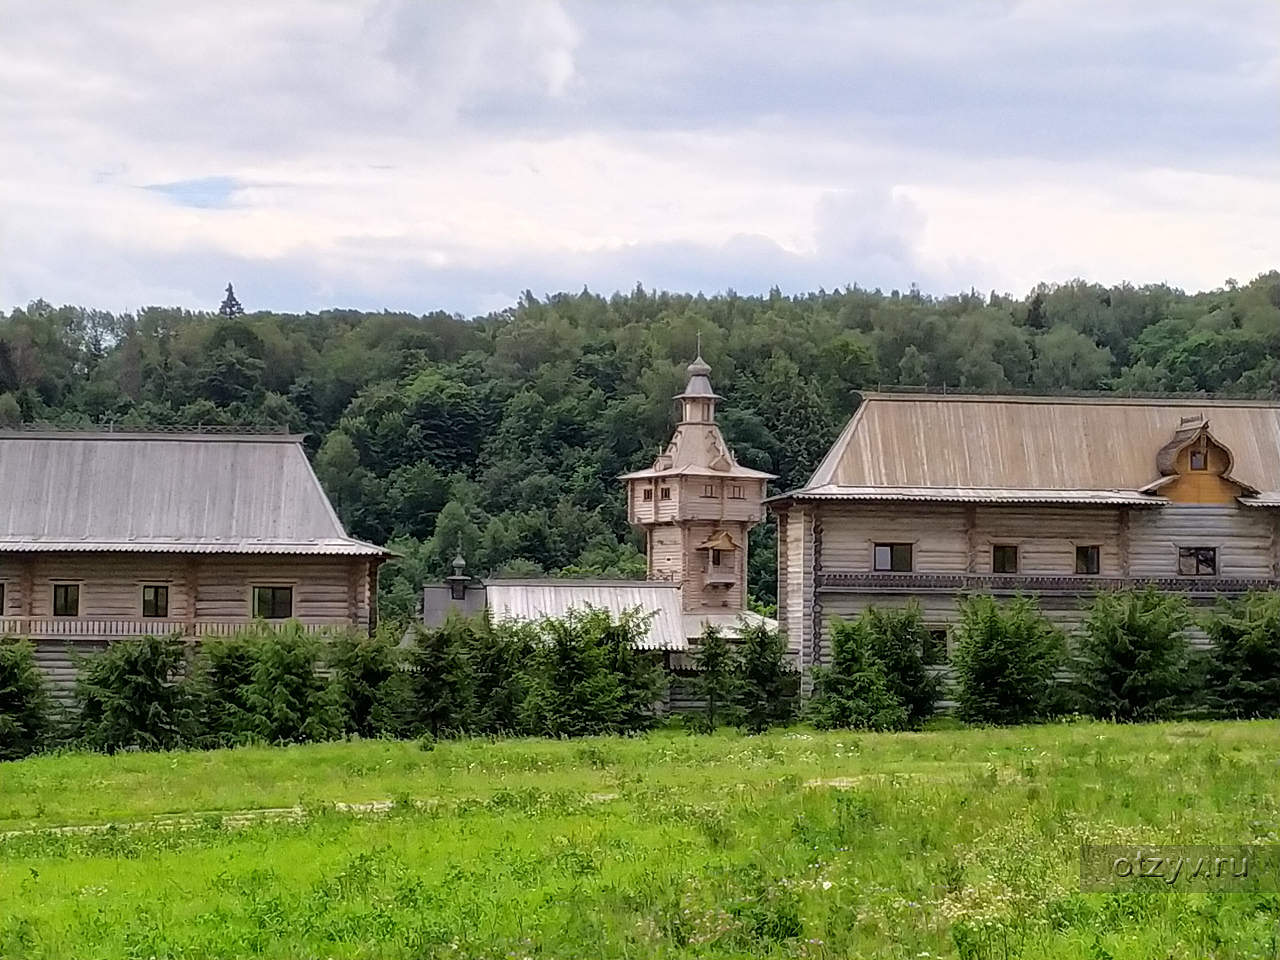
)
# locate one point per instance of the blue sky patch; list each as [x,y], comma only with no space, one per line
[205,193]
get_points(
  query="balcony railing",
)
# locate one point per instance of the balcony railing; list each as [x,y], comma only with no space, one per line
[96,628]
[1032,583]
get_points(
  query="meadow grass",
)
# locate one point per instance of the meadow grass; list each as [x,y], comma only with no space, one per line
[952,843]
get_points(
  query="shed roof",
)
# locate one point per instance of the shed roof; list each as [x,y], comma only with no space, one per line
[179,493]
[536,599]
[1071,445]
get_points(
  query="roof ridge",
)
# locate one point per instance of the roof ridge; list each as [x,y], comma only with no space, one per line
[1100,399]
[574,582]
[43,433]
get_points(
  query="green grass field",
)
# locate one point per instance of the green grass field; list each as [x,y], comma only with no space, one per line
[957,843]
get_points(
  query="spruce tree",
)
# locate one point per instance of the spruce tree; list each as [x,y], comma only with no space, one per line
[25,708]
[1006,659]
[439,680]
[1132,655]
[898,639]
[289,699]
[230,307]
[717,679]
[132,695]
[853,692]
[766,683]
[1243,676]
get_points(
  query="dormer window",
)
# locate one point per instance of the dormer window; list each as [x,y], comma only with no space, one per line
[1199,460]
[716,557]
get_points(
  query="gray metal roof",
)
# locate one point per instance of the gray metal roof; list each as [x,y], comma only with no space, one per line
[1058,445]
[139,492]
[832,491]
[729,624]
[537,599]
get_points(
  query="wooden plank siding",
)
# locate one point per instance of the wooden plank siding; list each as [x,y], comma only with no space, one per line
[954,539]
[795,579]
[666,553]
[1242,535]
[696,593]
[937,535]
[209,596]
[209,588]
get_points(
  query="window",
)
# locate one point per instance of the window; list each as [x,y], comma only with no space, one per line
[716,557]
[1,598]
[1197,561]
[935,647]
[1004,558]
[647,495]
[735,492]
[273,603]
[155,600]
[1088,558]
[665,494]
[66,599]
[1199,461]
[892,557]
[708,489]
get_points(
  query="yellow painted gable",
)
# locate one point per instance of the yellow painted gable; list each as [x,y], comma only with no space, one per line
[1202,486]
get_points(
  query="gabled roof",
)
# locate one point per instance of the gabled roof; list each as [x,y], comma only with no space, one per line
[537,599]
[176,492]
[1068,449]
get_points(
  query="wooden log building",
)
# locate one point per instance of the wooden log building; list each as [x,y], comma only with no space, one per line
[106,535]
[929,498]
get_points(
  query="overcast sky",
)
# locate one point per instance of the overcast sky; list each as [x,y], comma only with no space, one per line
[432,155]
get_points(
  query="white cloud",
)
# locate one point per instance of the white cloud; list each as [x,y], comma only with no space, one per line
[443,155]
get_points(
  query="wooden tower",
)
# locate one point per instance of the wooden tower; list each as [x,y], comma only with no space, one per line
[696,505]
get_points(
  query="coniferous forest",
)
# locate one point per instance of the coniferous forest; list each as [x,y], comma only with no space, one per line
[501,435]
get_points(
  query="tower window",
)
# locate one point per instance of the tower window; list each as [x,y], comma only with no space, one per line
[735,492]
[647,494]
[665,493]
[1199,460]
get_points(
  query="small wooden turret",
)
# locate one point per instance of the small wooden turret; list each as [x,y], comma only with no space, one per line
[696,505]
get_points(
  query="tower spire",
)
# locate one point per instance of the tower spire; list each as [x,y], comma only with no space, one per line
[698,399]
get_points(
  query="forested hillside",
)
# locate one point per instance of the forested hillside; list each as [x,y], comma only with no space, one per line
[504,433]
